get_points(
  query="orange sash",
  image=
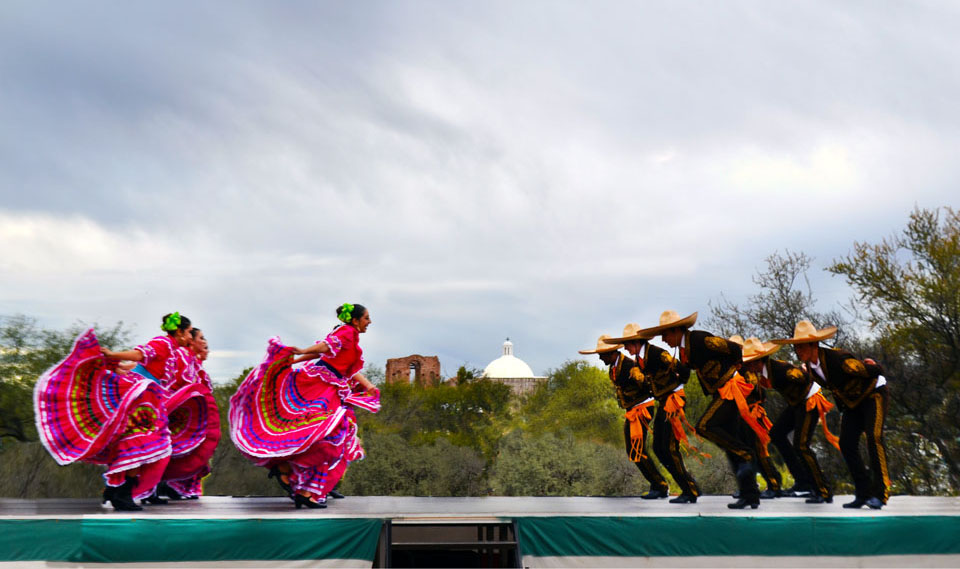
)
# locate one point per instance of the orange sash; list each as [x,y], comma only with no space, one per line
[673,407]
[820,403]
[760,415]
[635,415]
[736,390]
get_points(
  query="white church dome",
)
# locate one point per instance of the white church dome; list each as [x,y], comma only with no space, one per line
[507,366]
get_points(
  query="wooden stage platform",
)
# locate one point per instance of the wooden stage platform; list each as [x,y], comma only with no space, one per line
[365,531]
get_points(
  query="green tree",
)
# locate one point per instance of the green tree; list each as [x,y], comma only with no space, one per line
[562,465]
[577,399]
[909,285]
[393,467]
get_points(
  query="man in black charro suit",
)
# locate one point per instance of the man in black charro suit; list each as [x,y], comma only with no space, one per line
[716,361]
[666,377]
[861,393]
[636,399]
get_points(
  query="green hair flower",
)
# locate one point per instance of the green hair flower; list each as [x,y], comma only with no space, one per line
[171,322]
[346,313]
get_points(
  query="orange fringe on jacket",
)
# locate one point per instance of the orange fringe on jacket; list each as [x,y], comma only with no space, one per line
[736,390]
[635,415]
[760,415]
[820,403]
[673,406]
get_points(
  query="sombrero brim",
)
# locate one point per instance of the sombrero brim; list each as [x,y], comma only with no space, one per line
[611,349]
[655,331]
[757,356]
[828,332]
[638,336]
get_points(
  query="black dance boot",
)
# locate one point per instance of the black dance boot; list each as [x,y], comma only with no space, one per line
[107,493]
[654,494]
[154,499]
[300,501]
[336,495]
[684,499]
[743,503]
[169,492]
[857,502]
[122,498]
[275,473]
[818,499]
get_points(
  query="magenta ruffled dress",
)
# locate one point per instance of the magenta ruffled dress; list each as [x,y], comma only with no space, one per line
[304,416]
[87,411]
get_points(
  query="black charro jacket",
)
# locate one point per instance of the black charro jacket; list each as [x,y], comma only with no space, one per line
[715,359]
[630,382]
[850,379]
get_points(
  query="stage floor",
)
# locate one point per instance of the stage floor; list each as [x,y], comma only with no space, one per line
[454,509]
[359,531]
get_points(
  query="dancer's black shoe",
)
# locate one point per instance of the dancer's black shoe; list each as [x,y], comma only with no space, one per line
[874,503]
[855,504]
[769,494]
[654,495]
[300,501]
[817,499]
[743,503]
[169,492]
[684,499]
[275,473]
[122,500]
[154,500]
[335,495]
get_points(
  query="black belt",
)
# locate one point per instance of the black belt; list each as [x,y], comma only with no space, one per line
[327,365]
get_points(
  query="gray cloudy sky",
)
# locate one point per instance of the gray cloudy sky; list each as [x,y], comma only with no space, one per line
[546,171]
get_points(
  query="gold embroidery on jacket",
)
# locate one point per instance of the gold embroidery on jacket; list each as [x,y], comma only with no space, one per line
[717,344]
[711,370]
[853,366]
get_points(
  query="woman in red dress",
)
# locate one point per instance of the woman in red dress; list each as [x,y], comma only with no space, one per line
[299,422]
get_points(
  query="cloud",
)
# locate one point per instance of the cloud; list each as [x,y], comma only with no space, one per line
[468,171]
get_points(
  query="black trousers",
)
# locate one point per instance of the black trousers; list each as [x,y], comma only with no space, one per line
[667,449]
[642,459]
[766,466]
[866,419]
[722,425]
[797,454]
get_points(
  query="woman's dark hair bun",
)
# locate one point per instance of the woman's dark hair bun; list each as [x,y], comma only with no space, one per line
[183,325]
[356,311]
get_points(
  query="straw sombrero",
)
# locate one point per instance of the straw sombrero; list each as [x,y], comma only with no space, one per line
[603,346]
[631,332]
[669,319]
[806,332]
[754,349]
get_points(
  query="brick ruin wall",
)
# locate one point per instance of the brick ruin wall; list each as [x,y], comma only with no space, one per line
[427,369]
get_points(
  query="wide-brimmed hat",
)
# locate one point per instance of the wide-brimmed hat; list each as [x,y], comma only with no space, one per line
[603,346]
[805,332]
[669,319]
[754,349]
[631,332]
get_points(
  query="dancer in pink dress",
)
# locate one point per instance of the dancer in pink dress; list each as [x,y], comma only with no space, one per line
[89,410]
[299,422]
